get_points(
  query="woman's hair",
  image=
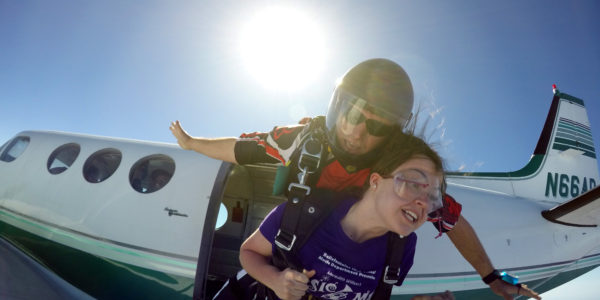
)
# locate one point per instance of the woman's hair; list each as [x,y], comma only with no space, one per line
[400,148]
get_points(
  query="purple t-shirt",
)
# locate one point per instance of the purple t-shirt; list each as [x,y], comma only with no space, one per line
[344,269]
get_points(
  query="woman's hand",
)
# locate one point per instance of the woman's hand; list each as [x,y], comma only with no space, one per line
[292,284]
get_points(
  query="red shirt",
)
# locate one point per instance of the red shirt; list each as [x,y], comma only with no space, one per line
[278,146]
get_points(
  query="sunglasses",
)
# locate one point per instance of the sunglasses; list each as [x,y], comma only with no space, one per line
[376,128]
[409,184]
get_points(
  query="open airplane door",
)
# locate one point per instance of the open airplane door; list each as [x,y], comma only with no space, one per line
[241,197]
[210,221]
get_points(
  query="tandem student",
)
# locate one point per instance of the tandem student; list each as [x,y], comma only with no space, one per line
[345,256]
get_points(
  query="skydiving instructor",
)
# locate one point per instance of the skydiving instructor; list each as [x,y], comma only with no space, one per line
[373,99]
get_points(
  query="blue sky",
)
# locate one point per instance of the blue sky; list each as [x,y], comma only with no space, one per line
[129,68]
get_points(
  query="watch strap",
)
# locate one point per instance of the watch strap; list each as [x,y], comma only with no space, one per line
[491,277]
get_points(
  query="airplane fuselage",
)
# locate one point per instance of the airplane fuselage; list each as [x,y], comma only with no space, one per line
[96,211]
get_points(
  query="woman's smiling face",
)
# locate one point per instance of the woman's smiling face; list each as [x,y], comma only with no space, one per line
[401,210]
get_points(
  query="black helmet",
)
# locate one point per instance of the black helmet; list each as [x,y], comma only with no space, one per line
[378,85]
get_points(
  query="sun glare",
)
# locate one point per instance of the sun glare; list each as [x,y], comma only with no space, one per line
[283,48]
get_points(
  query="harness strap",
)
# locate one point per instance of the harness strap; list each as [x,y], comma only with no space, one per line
[286,236]
[393,261]
[299,221]
[307,158]
[311,153]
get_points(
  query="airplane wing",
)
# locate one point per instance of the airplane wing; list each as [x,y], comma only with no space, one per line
[582,211]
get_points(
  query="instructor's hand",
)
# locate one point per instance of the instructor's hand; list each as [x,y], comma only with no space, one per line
[504,289]
[183,138]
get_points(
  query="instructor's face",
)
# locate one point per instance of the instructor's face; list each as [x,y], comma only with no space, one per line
[355,138]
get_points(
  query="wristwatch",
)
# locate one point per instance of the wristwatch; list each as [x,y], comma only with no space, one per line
[492,276]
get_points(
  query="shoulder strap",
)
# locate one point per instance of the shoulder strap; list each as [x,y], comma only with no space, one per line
[306,207]
[393,264]
[300,219]
[300,216]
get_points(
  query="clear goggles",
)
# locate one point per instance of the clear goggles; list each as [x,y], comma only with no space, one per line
[414,184]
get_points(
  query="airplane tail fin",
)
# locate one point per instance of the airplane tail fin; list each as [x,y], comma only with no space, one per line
[564,163]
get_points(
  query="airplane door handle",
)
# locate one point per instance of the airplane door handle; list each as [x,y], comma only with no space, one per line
[174,212]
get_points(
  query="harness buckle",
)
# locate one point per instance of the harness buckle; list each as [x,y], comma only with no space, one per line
[310,156]
[297,187]
[390,279]
[286,240]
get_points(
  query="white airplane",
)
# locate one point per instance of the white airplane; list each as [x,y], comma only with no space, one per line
[129,219]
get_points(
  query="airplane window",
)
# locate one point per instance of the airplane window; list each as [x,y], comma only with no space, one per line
[62,158]
[151,173]
[15,148]
[4,146]
[101,165]
[222,217]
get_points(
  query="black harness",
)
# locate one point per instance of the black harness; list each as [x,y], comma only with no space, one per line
[300,220]
[306,209]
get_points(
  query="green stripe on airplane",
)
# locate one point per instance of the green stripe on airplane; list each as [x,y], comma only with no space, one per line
[574,144]
[110,279]
[531,168]
[585,132]
[96,243]
[561,147]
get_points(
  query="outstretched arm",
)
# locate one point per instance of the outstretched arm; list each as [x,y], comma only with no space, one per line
[254,257]
[466,241]
[217,148]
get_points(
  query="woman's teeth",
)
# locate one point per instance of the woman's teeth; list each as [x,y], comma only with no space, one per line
[410,215]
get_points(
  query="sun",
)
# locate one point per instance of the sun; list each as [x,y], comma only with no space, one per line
[283,48]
